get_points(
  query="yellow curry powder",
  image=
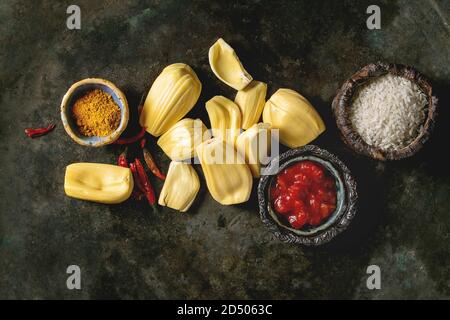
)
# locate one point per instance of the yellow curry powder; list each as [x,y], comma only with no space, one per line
[96,114]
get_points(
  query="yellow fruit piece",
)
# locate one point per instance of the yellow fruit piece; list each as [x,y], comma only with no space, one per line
[225,118]
[228,178]
[180,141]
[297,120]
[180,187]
[172,95]
[254,145]
[250,101]
[104,183]
[226,65]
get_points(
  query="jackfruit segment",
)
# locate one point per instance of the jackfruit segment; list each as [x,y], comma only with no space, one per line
[180,187]
[254,144]
[228,178]
[225,118]
[226,65]
[295,118]
[172,95]
[250,101]
[98,182]
[180,141]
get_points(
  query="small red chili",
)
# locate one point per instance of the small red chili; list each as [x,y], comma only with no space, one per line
[149,192]
[152,165]
[136,178]
[138,190]
[122,160]
[142,143]
[133,139]
[38,132]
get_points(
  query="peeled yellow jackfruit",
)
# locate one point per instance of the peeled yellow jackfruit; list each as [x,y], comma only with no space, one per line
[179,142]
[180,187]
[227,176]
[225,118]
[104,183]
[172,95]
[253,144]
[297,120]
[226,65]
[250,101]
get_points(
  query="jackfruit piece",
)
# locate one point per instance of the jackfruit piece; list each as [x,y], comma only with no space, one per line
[297,120]
[226,65]
[104,183]
[172,95]
[180,187]
[228,178]
[180,141]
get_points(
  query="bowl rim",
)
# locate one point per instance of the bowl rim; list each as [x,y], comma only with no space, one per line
[342,218]
[343,99]
[123,106]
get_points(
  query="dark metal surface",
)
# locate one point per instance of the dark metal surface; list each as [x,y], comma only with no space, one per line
[126,251]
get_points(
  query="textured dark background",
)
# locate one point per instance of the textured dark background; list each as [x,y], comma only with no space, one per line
[125,251]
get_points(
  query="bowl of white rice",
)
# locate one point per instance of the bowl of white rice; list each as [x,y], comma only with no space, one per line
[385,111]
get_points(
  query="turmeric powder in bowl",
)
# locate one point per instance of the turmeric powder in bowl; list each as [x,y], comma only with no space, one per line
[96,114]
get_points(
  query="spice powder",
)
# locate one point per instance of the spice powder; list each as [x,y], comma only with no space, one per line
[96,114]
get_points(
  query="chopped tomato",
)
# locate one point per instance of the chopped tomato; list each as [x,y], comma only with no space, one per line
[302,178]
[326,209]
[329,183]
[282,204]
[315,220]
[297,191]
[304,192]
[298,220]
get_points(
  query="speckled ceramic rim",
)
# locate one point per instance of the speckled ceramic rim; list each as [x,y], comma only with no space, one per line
[341,217]
[81,87]
[343,100]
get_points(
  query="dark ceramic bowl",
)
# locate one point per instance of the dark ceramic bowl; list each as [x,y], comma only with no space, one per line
[344,97]
[338,220]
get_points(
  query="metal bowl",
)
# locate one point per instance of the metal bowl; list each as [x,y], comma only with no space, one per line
[77,90]
[338,220]
[343,100]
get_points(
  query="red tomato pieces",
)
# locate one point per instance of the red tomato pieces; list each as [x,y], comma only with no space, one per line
[304,193]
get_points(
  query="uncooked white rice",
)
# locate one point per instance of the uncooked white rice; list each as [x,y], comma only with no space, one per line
[388,112]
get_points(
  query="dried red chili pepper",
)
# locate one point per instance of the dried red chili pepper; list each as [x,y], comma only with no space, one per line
[133,139]
[142,143]
[136,178]
[152,165]
[122,160]
[38,132]
[138,190]
[149,192]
